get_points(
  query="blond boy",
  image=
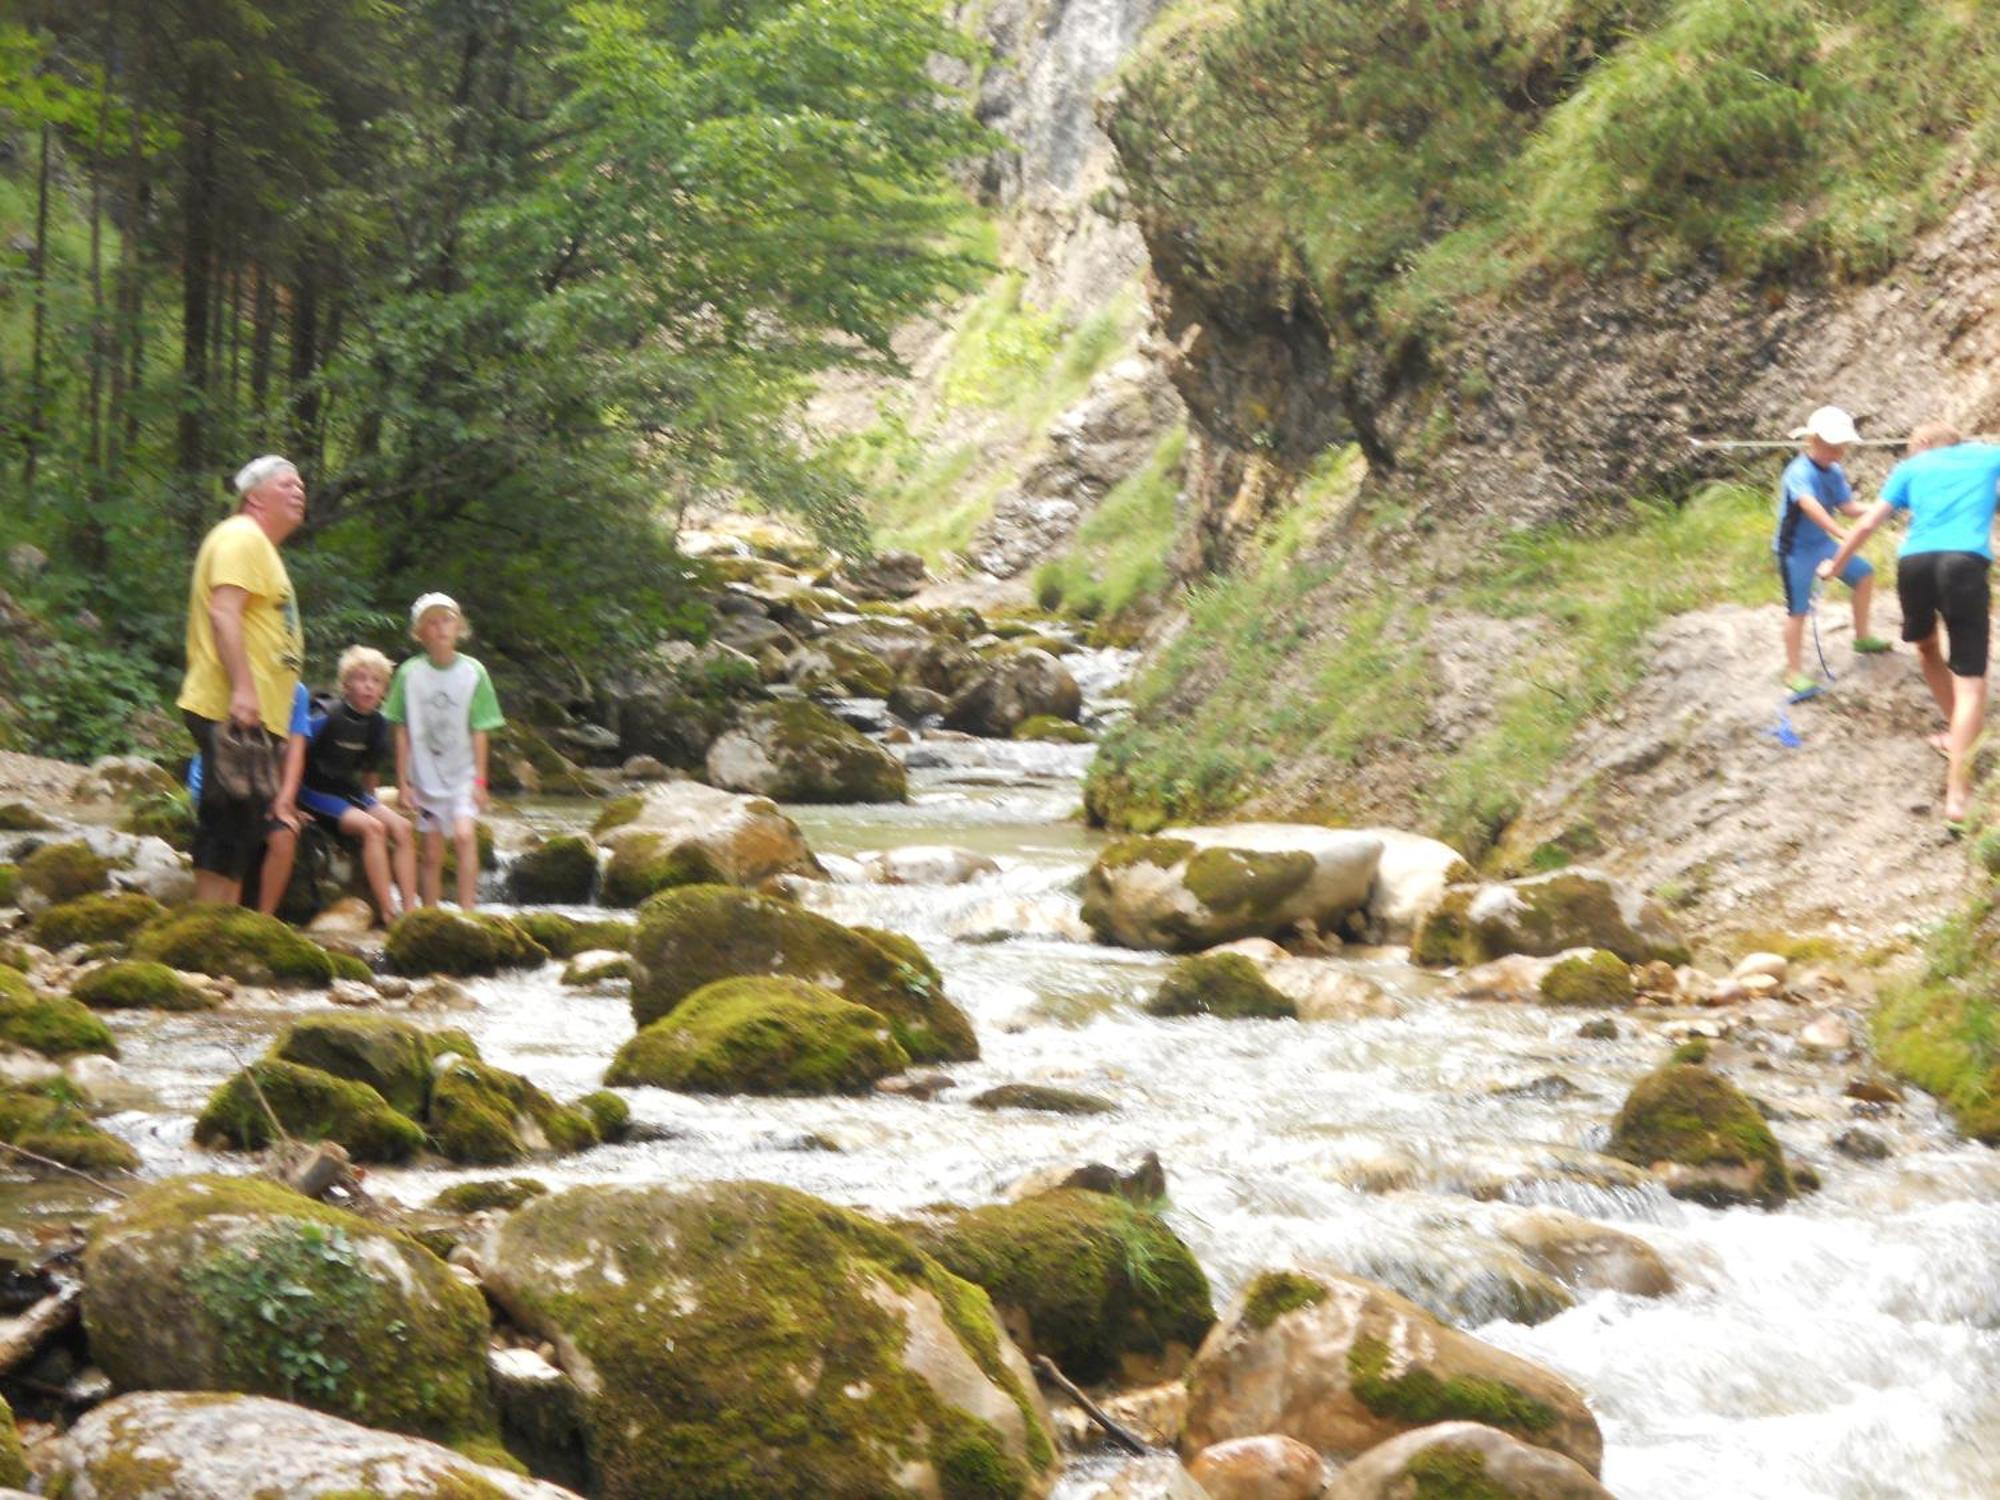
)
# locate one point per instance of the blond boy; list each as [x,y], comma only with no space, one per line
[344,756]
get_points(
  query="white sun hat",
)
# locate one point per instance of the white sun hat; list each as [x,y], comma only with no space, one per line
[1830,425]
[429,602]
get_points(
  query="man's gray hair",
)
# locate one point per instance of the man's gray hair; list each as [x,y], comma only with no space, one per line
[258,470]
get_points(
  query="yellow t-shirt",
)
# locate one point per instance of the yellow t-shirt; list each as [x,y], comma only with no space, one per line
[238,552]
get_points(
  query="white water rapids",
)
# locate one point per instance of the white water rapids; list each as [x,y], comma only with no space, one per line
[1845,1348]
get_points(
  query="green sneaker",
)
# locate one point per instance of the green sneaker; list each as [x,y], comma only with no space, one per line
[1871,645]
[1801,682]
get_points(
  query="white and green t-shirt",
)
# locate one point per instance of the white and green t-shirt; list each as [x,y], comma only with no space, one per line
[441,707]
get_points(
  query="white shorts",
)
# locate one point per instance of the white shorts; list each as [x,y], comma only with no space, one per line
[441,813]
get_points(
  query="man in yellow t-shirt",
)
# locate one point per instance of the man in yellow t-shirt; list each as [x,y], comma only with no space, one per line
[244,654]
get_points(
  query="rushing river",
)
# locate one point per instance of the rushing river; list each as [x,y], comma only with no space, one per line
[1846,1348]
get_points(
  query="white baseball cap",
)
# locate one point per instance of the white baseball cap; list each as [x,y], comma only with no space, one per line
[1830,425]
[429,602]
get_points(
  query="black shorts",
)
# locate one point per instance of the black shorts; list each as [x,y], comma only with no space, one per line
[228,831]
[1951,585]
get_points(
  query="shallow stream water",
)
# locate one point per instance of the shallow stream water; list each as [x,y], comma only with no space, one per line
[1845,1348]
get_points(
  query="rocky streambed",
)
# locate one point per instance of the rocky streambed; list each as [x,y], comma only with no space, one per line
[1435,1135]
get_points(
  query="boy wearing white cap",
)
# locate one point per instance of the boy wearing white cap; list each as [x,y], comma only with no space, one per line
[1813,488]
[443,708]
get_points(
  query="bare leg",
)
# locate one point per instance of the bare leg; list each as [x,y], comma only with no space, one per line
[465,833]
[402,852]
[1864,597]
[1968,716]
[1937,676]
[1795,643]
[433,871]
[281,845]
[211,889]
[356,824]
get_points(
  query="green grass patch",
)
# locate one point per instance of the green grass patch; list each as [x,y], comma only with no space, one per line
[1118,559]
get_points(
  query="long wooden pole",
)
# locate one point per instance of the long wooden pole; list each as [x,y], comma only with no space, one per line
[1727,443]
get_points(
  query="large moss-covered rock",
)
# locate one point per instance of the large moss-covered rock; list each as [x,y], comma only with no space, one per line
[485,1116]
[1219,984]
[1342,1364]
[139,984]
[1048,729]
[387,1053]
[432,940]
[565,937]
[558,871]
[312,1105]
[236,943]
[19,817]
[10,883]
[53,1025]
[47,1119]
[798,752]
[485,1194]
[185,1445]
[684,833]
[106,916]
[1101,1286]
[1012,686]
[56,873]
[743,1339]
[13,1462]
[1544,915]
[1192,888]
[692,937]
[1593,977]
[764,1035]
[237,1284]
[1705,1139]
[1462,1461]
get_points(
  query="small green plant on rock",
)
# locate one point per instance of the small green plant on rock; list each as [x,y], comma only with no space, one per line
[276,1300]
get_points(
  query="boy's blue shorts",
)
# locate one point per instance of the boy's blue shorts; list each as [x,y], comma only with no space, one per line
[330,809]
[1796,569]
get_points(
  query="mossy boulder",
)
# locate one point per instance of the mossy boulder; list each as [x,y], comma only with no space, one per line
[10,883]
[1544,915]
[236,1284]
[235,943]
[558,871]
[13,1461]
[49,1120]
[683,833]
[1101,1286]
[312,1105]
[163,815]
[53,1025]
[19,817]
[643,864]
[745,1339]
[1342,1364]
[432,940]
[860,671]
[138,984]
[1462,1461]
[62,872]
[205,1445]
[1048,729]
[565,937]
[763,1035]
[106,916]
[1707,1141]
[389,1054]
[695,936]
[798,752]
[486,1116]
[597,966]
[1192,888]
[608,1112]
[487,1193]
[1595,978]
[1043,1099]
[1220,984]
[1012,686]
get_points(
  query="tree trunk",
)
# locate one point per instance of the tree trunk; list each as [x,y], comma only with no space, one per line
[305,351]
[41,284]
[263,318]
[197,266]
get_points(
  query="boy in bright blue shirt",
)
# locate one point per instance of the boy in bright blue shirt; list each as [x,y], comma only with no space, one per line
[1950,488]
[1813,489]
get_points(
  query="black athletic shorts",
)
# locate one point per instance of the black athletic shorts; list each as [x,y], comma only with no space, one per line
[1951,585]
[228,831]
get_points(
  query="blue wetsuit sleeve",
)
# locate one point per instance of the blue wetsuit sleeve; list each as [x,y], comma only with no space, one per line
[301,711]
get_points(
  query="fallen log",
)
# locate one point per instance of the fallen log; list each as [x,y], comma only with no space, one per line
[23,1336]
[1121,1437]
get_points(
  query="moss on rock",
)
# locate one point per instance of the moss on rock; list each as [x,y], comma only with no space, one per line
[48,1119]
[488,1193]
[750,1340]
[10,883]
[53,1025]
[19,817]
[618,812]
[139,984]
[63,872]
[1418,1397]
[481,1115]
[1596,978]
[1688,1116]
[1274,1293]
[695,936]
[236,943]
[13,1460]
[387,1053]
[432,940]
[1102,1287]
[1220,984]
[565,937]
[99,918]
[608,1112]
[312,1106]
[798,752]
[1050,729]
[645,864]
[561,870]
[1229,881]
[216,1283]
[1145,849]
[767,1035]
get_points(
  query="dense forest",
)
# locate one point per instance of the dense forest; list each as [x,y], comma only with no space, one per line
[513,283]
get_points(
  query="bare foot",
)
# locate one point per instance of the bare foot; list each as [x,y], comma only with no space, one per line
[1940,742]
